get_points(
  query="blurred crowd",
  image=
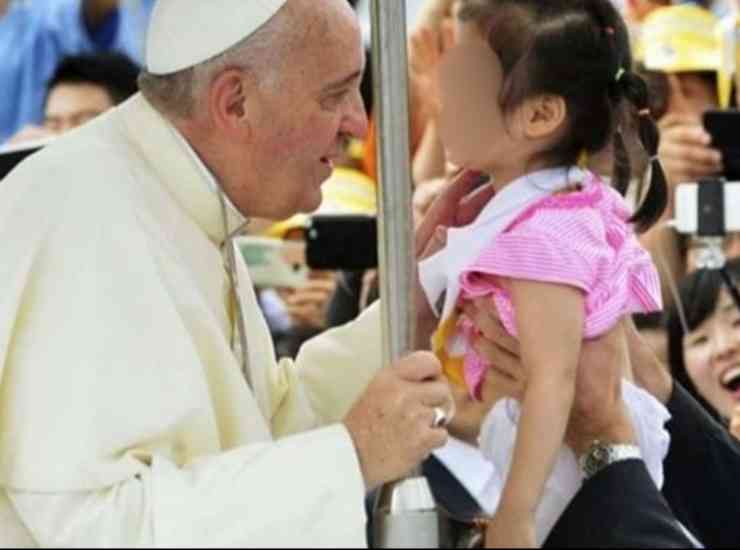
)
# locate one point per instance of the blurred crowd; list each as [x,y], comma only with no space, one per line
[66,62]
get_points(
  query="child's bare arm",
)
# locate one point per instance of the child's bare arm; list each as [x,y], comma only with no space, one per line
[550,321]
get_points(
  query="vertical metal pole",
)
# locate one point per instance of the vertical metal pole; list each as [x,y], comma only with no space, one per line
[405,513]
[396,250]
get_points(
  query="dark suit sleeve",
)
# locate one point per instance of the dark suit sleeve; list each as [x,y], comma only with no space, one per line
[620,507]
[702,472]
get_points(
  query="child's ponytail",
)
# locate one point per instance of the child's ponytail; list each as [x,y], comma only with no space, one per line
[635,91]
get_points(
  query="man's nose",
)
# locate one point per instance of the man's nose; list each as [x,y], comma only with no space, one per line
[355,122]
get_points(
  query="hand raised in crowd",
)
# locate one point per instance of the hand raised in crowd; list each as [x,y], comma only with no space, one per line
[434,12]
[392,423]
[426,47]
[307,305]
[685,149]
[433,32]
[685,146]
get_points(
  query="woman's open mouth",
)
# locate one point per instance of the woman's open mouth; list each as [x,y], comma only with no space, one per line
[730,381]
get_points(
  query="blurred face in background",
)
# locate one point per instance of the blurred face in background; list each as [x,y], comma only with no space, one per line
[3,6]
[696,93]
[70,105]
[712,356]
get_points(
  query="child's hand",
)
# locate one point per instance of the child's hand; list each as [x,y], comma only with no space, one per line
[511,530]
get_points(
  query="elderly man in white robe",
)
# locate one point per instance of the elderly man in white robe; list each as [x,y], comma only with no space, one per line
[125,418]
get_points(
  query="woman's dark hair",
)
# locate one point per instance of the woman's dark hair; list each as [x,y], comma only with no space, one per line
[579,50]
[699,293]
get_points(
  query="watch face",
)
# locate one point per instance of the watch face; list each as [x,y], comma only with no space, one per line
[596,459]
[601,455]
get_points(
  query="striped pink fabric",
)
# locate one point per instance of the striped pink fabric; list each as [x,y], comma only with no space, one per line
[582,239]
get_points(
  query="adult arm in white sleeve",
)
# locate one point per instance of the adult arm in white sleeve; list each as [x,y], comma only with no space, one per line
[304,491]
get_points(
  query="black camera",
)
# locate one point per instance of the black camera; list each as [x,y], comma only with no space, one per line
[342,242]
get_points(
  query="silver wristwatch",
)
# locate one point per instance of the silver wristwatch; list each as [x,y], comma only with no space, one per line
[600,455]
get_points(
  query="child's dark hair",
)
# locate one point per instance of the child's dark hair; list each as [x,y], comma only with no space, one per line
[579,50]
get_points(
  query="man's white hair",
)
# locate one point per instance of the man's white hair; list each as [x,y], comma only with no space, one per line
[262,53]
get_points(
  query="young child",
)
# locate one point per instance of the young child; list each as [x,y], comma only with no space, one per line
[532,88]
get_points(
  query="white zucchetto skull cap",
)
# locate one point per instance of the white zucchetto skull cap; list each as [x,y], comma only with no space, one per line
[184,33]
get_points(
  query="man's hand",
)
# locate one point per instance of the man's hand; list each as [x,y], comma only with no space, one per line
[598,410]
[457,205]
[424,196]
[649,372]
[505,377]
[392,423]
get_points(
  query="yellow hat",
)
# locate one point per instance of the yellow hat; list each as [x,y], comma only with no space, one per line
[727,37]
[680,38]
[345,192]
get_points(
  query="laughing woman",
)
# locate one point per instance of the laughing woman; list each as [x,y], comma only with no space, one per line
[705,358]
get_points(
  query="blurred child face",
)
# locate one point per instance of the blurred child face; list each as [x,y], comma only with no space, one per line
[712,357]
[471,123]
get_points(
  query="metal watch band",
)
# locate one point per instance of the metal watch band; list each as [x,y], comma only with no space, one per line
[601,455]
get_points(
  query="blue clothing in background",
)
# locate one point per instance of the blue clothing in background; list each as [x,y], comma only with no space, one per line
[34,37]
[135,16]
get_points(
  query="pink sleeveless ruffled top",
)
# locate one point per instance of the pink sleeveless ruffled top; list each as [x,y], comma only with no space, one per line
[581,239]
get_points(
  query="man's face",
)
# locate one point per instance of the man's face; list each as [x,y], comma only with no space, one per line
[3,6]
[299,127]
[71,105]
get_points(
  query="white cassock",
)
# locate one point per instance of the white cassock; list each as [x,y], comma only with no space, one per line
[124,417]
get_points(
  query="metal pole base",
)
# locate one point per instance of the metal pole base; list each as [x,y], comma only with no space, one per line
[406,516]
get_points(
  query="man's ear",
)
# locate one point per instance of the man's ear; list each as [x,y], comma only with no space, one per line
[227,104]
[544,115]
